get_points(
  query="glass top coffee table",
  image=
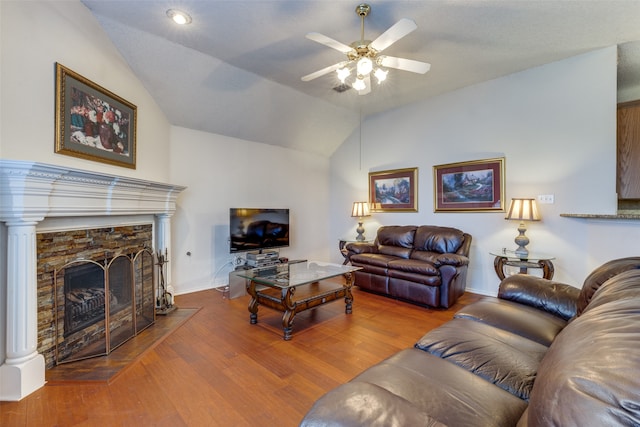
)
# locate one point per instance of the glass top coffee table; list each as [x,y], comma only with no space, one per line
[297,286]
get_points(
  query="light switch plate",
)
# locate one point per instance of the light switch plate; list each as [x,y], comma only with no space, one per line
[546,199]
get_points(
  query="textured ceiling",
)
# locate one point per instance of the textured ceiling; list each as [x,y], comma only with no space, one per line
[236,69]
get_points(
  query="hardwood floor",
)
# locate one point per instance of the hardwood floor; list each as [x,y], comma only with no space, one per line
[218,370]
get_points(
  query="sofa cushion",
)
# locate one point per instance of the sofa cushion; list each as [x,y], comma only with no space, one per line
[366,259]
[395,251]
[415,278]
[601,275]
[414,266]
[500,357]
[396,240]
[448,393]
[364,404]
[520,319]
[439,259]
[396,235]
[438,239]
[589,376]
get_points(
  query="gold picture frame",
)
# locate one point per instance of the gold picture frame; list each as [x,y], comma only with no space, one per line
[474,186]
[92,122]
[394,190]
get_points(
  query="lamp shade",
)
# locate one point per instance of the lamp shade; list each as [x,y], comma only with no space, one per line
[360,209]
[523,210]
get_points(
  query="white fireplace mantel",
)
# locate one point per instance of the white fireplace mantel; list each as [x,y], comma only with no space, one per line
[31,192]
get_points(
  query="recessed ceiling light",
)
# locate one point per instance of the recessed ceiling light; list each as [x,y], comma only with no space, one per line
[179,17]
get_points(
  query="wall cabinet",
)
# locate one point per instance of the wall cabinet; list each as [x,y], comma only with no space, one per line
[628,152]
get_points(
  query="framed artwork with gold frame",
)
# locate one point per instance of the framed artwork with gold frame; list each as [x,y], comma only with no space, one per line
[394,190]
[92,122]
[475,186]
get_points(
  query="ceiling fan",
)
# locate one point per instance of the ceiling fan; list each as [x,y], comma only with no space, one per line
[364,55]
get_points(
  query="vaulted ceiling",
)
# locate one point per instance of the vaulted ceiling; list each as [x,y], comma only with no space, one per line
[236,69]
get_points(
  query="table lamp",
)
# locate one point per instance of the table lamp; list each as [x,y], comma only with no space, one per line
[360,210]
[523,210]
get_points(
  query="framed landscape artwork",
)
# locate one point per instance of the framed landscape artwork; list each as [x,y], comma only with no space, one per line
[394,190]
[475,186]
[92,122]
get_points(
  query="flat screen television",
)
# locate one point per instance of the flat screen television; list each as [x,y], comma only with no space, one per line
[255,229]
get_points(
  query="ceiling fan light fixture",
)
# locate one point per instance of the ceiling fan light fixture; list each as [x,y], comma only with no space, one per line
[381,74]
[179,17]
[343,73]
[365,66]
[359,84]
[364,55]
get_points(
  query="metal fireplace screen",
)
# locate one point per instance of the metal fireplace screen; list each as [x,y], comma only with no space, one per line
[89,296]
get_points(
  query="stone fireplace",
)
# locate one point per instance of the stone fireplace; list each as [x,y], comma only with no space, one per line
[74,234]
[95,290]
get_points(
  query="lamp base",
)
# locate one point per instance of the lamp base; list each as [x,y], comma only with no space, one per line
[522,241]
[360,231]
[522,253]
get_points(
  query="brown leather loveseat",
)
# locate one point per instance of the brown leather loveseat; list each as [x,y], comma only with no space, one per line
[423,264]
[541,354]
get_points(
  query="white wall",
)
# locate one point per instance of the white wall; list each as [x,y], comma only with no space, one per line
[34,36]
[556,127]
[222,173]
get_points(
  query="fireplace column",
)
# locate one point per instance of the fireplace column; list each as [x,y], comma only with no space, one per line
[22,371]
[163,236]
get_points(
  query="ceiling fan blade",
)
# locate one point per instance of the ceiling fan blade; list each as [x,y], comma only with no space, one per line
[328,41]
[393,34]
[405,64]
[322,72]
[367,88]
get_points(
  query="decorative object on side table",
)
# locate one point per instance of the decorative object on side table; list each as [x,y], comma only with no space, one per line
[360,210]
[523,210]
[92,122]
[394,190]
[475,186]
[164,300]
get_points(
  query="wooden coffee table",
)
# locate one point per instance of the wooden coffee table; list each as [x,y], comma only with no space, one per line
[295,287]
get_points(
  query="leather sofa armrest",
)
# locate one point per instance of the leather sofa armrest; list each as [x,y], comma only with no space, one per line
[452,259]
[361,248]
[439,260]
[552,297]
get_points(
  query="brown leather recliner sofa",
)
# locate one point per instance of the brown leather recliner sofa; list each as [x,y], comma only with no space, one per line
[423,264]
[541,354]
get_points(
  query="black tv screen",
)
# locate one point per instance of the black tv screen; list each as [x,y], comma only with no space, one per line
[255,229]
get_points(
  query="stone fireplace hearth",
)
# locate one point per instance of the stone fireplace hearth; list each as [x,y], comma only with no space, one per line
[39,200]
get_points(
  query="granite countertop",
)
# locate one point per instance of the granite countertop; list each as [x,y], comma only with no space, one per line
[630,214]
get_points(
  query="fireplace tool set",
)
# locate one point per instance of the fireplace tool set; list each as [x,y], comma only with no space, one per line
[164,300]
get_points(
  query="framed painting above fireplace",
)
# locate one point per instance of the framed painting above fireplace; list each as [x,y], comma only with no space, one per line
[92,122]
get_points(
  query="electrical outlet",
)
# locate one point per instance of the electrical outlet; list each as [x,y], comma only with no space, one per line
[546,199]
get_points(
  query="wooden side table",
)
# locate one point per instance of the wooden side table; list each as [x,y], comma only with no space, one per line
[510,259]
